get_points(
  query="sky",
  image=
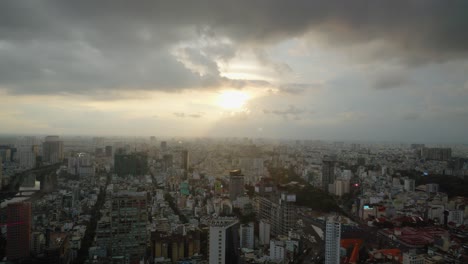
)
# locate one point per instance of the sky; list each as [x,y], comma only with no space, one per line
[305,69]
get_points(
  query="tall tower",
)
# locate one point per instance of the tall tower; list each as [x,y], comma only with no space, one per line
[185,162]
[18,230]
[332,241]
[128,225]
[52,149]
[328,173]
[236,184]
[224,241]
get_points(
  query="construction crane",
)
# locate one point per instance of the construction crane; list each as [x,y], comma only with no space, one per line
[356,244]
[392,253]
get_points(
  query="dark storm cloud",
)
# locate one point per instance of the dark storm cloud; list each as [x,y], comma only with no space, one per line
[391,80]
[83,46]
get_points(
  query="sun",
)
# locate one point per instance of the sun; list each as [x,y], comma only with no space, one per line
[232,99]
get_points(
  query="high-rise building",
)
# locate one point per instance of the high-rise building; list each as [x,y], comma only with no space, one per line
[131,164]
[328,173]
[108,151]
[163,145]
[52,149]
[185,162]
[409,185]
[264,232]
[81,165]
[236,184]
[279,212]
[224,241]
[442,154]
[128,223]
[18,230]
[332,241]
[168,161]
[247,235]
[27,157]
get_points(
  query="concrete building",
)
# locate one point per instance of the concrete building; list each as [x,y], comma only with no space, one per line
[224,241]
[108,151]
[279,212]
[264,232]
[130,164]
[82,165]
[277,251]
[412,258]
[409,185]
[52,149]
[341,187]
[19,220]
[236,184]
[185,162]
[332,241]
[27,157]
[128,223]
[328,173]
[247,235]
[432,187]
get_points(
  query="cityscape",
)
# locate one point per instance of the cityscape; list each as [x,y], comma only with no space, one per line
[234,200]
[233,132]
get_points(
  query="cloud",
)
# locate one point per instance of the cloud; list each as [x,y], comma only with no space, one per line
[390,80]
[290,112]
[84,47]
[411,116]
[183,115]
[298,88]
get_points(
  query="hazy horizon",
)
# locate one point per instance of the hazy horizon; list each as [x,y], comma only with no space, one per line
[355,71]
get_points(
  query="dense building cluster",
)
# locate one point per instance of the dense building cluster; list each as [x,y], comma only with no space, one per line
[117,200]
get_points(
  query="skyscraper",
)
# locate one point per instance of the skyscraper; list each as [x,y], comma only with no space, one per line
[247,235]
[224,241]
[328,173]
[52,149]
[108,151]
[128,224]
[236,184]
[185,162]
[130,164]
[332,241]
[18,230]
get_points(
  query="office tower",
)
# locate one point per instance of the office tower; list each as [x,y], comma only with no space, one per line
[163,145]
[247,235]
[328,173]
[332,241]
[168,160]
[128,222]
[52,149]
[279,212]
[27,157]
[443,154]
[81,165]
[236,184]
[131,164]
[5,154]
[264,232]
[185,162]
[108,151]
[152,140]
[224,241]
[18,230]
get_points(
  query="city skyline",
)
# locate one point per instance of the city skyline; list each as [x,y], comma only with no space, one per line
[325,70]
